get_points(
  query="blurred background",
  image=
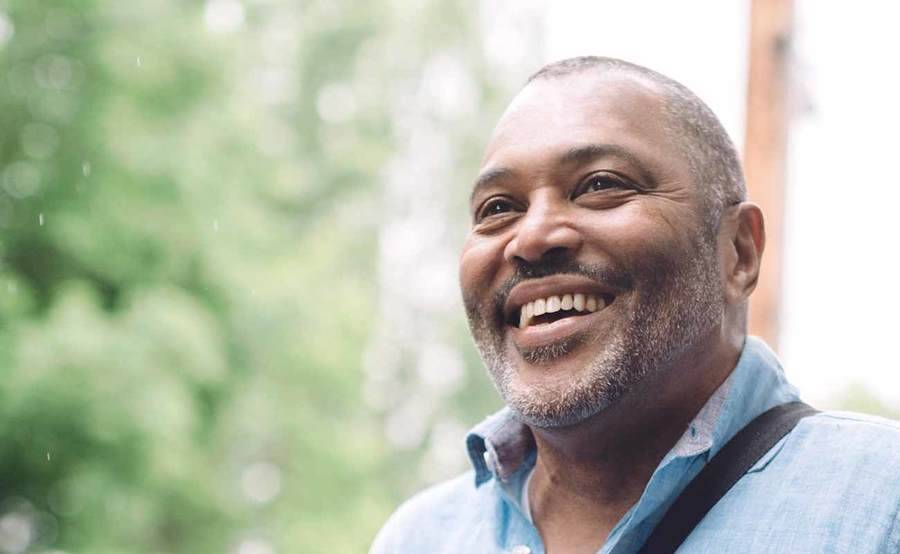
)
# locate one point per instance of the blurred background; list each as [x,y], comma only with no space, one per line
[229,317]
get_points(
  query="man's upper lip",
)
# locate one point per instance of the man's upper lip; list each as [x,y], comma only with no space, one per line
[555,285]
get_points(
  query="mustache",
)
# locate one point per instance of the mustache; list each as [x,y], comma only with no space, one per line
[606,274]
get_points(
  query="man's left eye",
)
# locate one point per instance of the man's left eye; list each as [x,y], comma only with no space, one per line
[600,182]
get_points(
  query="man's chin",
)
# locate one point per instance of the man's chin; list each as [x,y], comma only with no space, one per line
[554,411]
[557,386]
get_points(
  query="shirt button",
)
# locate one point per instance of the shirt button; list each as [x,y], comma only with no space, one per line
[520,549]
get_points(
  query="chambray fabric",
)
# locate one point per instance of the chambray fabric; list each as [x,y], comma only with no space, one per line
[831,486]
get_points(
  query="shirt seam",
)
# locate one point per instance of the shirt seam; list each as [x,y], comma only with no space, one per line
[841,417]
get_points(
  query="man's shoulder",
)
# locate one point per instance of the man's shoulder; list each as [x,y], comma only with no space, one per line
[436,501]
[860,419]
[839,465]
[854,426]
[849,436]
[829,486]
[433,514]
[835,457]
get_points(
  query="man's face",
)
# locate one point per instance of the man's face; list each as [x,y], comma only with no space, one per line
[586,218]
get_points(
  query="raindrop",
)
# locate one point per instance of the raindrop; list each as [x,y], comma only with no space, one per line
[41,219]
[138,61]
[216,225]
[48,456]
[85,168]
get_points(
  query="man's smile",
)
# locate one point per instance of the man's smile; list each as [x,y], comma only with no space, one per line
[544,311]
[539,312]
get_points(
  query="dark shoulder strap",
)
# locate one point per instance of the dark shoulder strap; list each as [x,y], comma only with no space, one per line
[723,471]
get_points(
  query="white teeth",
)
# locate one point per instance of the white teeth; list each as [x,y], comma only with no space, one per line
[553,304]
[579,302]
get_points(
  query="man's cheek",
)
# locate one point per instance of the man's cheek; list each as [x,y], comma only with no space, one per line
[478,265]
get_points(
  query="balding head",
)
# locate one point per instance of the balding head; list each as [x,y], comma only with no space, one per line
[693,126]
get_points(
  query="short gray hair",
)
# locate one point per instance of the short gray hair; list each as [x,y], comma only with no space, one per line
[711,154]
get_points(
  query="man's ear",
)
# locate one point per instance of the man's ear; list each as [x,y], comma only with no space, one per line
[743,239]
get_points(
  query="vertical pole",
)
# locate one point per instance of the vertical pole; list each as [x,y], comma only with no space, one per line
[764,149]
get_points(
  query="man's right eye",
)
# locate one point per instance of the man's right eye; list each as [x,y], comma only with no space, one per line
[493,207]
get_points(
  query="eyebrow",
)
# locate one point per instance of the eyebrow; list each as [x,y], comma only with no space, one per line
[577,155]
[488,177]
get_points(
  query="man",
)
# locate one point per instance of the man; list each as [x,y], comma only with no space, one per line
[606,278]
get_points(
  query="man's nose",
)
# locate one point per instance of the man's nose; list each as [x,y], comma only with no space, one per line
[546,229]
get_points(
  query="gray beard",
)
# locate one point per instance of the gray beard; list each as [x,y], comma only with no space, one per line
[679,305]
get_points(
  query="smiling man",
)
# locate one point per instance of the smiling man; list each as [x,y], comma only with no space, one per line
[606,277]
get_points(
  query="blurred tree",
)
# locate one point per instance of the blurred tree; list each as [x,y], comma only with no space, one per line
[190,205]
[228,234]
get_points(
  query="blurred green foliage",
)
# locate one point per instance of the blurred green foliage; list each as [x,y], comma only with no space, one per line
[189,208]
[191,198]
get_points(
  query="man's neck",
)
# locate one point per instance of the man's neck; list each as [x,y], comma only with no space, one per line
[588,475]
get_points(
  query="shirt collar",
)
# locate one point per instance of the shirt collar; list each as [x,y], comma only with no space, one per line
[500,444]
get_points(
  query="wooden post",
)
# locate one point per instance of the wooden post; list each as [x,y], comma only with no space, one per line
[764,149]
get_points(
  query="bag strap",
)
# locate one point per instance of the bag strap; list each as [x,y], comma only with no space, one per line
[721,473]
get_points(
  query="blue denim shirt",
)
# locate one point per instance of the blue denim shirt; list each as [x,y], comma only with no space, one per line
[831,485]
